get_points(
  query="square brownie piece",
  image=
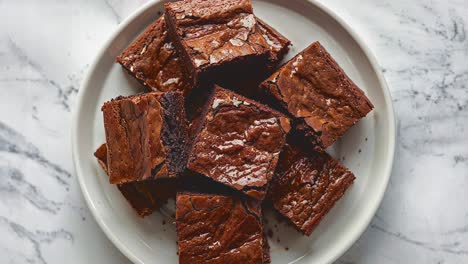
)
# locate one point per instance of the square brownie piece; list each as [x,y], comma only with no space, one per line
[238,142]
[218,36]
[251,79]
[146,196]
[307,186]
[314,89]
[219,229]
[153,60]
[147,136]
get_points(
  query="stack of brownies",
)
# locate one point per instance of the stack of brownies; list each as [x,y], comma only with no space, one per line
[224,152]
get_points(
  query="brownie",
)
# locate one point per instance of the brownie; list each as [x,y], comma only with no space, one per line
[219,36]
[238,142]
[306,186]
[219,229]
[146,196]
[276,42]
[245,81]
[314,89]
[147,136]
[153,60]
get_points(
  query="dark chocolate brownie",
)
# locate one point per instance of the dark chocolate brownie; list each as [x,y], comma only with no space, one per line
[314,89]
[145,196]
[245,81]
[276,42]
[238,142]
[219,229]
[147,136]
[153,60]
[219,36]
[306,186]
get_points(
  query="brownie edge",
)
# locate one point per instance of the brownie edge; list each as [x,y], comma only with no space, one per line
[214,37]
[306,186]
[238,142]
[144,197]
[314,89]
[146,136]
[153,60]
[219,229]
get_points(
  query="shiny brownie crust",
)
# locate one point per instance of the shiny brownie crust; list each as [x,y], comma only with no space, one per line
[219,229]
[153,60]
[221,36]
[315,90]
[307,186]
[146,136]
[276,42]
[238,142]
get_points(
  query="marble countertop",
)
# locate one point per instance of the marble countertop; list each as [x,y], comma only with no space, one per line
[46,48]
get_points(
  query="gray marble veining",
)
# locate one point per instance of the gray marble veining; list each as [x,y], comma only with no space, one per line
[421,46]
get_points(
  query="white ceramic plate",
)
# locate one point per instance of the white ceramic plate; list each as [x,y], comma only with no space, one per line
[367,148]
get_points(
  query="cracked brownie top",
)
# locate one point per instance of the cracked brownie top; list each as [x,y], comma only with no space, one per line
[210,34]
[277,43]
[313,88]
[306,186]
[238,142]
[219,229]
[153,60]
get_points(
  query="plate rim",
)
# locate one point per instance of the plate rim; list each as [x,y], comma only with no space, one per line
[387,169]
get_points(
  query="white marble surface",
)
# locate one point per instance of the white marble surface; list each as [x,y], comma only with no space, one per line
[46,47]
